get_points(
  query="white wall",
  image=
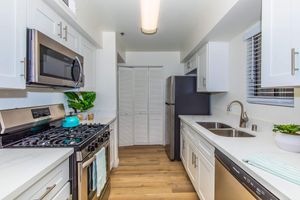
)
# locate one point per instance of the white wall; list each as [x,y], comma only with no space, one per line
[237,90]
[215,11]
[10,99]
[106,76]
[170,61]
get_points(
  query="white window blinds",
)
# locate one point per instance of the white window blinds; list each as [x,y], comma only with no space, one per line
[257,94]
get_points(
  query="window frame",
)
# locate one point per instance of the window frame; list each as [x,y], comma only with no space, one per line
[265,100]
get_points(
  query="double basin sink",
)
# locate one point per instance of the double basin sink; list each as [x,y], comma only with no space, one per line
[224,130]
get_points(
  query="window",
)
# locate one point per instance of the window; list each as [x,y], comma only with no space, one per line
[257,94]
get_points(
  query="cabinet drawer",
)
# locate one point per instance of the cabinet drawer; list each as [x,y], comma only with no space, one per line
[49,185]
[64,193]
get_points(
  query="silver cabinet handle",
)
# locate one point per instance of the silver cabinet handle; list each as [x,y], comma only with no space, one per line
[66,33]
[24,61]
[204,82]
[195,163]
[293,61]
[60,26]
[48,190]
[192,158]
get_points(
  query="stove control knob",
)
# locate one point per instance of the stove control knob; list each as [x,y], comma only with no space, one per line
[95,144]
[100,139]
[91,148]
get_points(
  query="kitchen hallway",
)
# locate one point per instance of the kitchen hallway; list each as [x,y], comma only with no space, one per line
[145,172]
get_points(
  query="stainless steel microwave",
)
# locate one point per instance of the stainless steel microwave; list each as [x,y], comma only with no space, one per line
[49,63]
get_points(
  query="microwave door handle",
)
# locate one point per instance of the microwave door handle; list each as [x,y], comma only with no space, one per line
[81,71]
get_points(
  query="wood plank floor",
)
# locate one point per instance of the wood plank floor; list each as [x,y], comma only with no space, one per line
[145,173]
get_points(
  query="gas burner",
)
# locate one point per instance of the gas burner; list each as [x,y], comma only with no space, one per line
[61,137]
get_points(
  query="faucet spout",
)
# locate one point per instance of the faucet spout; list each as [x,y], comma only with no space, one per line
[243,117]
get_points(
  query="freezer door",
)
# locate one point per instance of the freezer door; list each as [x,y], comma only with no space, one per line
[170,90]
[170,132]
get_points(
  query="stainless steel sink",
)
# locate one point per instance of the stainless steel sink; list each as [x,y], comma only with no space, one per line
[213,125]
[230,133]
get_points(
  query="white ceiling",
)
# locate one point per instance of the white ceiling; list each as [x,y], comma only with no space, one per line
[177,19]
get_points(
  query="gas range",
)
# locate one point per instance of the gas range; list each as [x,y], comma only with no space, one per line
[40,127]
[64,137]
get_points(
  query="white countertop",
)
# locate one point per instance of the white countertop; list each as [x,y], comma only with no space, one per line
[101,119]
[239,148]
[20,168]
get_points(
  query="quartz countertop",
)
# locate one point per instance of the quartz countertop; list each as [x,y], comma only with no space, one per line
[103,119]
[21,168]
[238,149]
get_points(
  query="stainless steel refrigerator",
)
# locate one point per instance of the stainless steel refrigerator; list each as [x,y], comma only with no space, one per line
[181,99]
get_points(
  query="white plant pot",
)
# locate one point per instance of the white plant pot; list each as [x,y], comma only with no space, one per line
[287,142]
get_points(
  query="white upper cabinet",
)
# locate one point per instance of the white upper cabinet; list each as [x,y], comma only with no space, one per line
[212,71]
[46,20]
[88,51]
[280,43]
[13,44]
[191,64]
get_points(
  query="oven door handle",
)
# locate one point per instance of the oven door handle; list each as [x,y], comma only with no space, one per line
[88,162]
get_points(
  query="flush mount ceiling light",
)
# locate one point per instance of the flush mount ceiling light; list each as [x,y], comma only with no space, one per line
[150,14]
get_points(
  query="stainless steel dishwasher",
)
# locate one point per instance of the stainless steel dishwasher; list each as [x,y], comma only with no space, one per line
[232,183]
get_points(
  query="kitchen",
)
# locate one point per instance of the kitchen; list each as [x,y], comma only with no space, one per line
[99,101]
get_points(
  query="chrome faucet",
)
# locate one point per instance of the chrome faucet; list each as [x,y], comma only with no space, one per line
[243,118]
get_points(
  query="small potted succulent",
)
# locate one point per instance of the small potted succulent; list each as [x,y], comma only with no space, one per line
[81,102]
[288,137]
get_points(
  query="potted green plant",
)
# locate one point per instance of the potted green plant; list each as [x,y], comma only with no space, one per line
[81,102]
[288,137]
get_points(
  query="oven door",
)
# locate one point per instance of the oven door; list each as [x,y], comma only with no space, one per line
[86,190]
[50,63]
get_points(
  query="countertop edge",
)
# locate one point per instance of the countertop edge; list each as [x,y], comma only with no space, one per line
[18,191]
[252,173]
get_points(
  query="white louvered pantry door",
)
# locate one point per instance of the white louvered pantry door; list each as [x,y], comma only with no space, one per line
[140,106]
[156,106]
[126,107]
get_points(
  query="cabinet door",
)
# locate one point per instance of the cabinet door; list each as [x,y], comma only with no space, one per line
[64,193]
[206,177]
[44,19]
[191,64]
[280,43]
[88,51]
[192,164]
[71,38]
[13,44]
[201,70]
[183,148]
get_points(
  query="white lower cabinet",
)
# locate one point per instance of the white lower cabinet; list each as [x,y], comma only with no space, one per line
[192,164]
[206,183]
[64,193]
[183,148]
[114,159]
[52,185]
[197,156]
